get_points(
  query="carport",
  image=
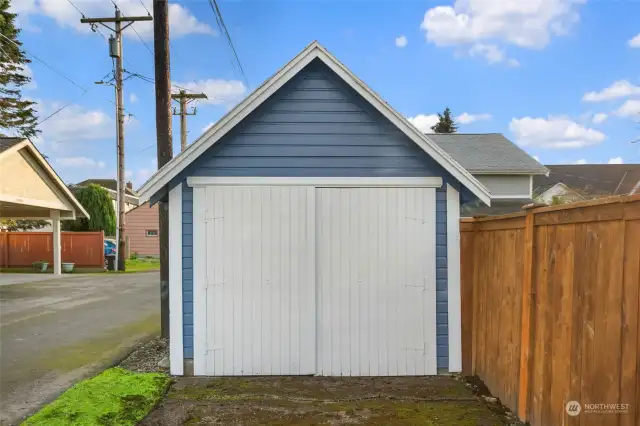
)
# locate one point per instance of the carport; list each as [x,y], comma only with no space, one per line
[31,189]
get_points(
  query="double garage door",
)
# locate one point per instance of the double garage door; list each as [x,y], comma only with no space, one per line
[314,280]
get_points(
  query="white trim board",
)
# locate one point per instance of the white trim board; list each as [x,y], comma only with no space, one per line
[176,343]
[314,51]
[423,182]
[453,284]
[199,282]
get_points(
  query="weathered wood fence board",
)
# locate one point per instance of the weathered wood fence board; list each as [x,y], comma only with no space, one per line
[550,301]
[85,249]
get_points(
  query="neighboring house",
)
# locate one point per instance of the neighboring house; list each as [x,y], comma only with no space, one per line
[131,199]
[314,230]
[142,229]
[505,169]
[131,196]
[31,189]
[577,182]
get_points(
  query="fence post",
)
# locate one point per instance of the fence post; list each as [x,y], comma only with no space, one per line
[6,249]
[527,310]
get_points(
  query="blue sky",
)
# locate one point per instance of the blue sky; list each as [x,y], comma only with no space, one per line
[559,77]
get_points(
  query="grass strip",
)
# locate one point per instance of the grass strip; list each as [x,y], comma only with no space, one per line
[114,397]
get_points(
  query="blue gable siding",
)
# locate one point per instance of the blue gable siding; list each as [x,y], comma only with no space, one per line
[316,125]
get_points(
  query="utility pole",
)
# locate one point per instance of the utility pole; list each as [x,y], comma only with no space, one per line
[184,98]
[115,51]
[164,142]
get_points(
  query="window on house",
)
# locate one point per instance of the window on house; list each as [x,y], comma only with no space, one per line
[152,232]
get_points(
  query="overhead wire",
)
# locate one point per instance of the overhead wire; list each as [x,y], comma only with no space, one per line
[223,29]
[42,61]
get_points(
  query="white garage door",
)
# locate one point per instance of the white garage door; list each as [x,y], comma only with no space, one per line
[304,280]
[376,281]
[260,293]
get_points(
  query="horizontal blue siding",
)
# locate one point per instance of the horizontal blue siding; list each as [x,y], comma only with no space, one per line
[187,270]
[317,126]
[442,293]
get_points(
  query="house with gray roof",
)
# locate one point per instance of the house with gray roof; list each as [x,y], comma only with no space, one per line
[505,169]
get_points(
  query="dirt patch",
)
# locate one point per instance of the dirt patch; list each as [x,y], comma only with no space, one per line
[146,357]
[439,400]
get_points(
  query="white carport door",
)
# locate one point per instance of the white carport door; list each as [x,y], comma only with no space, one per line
[260,281]
[376,281]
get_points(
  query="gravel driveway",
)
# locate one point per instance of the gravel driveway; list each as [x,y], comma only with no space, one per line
[56,332]
[439,400]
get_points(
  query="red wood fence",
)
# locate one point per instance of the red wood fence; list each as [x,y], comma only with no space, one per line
[551,301]
[85,249]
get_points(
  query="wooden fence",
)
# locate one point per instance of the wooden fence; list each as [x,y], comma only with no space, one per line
[550,305]
[85,249]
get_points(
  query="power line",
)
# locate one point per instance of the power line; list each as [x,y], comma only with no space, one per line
[145,7]
[60,73]
[225,32]
[75,7]
[143,42]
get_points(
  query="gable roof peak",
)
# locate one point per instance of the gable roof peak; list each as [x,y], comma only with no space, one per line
[315,50]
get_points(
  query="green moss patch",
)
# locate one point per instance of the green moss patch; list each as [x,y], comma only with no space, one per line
[114,397]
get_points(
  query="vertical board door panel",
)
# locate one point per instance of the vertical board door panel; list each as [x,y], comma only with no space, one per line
[376,295]
[260,284]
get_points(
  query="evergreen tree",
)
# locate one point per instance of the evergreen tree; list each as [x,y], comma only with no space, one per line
[16,114]
[97,202]
[446,123]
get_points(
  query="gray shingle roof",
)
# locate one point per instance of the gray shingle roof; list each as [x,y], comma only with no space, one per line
[6,143]
[487,152]
[591,179]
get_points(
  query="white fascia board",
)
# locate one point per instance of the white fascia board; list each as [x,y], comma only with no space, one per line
[163,176]
[422,182]
[176,344]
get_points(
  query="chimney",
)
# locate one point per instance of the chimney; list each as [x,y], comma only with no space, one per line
[130,185]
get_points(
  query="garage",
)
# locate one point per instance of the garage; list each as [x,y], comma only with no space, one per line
[314,231]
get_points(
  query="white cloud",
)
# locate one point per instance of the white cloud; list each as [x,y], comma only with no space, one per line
[554,132]
[466,118]
[74,122]
[23,8]
[208,126]
[630,108]
[128,174]
[619,89]
[535,157]
[635,42]
[616,160]
[218,91]
[79,162]
[492,53]
[424,122]
[580,161]
[529,24]
[401,41]
[133,98]
[181,21]
[600,117]
[28,72]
